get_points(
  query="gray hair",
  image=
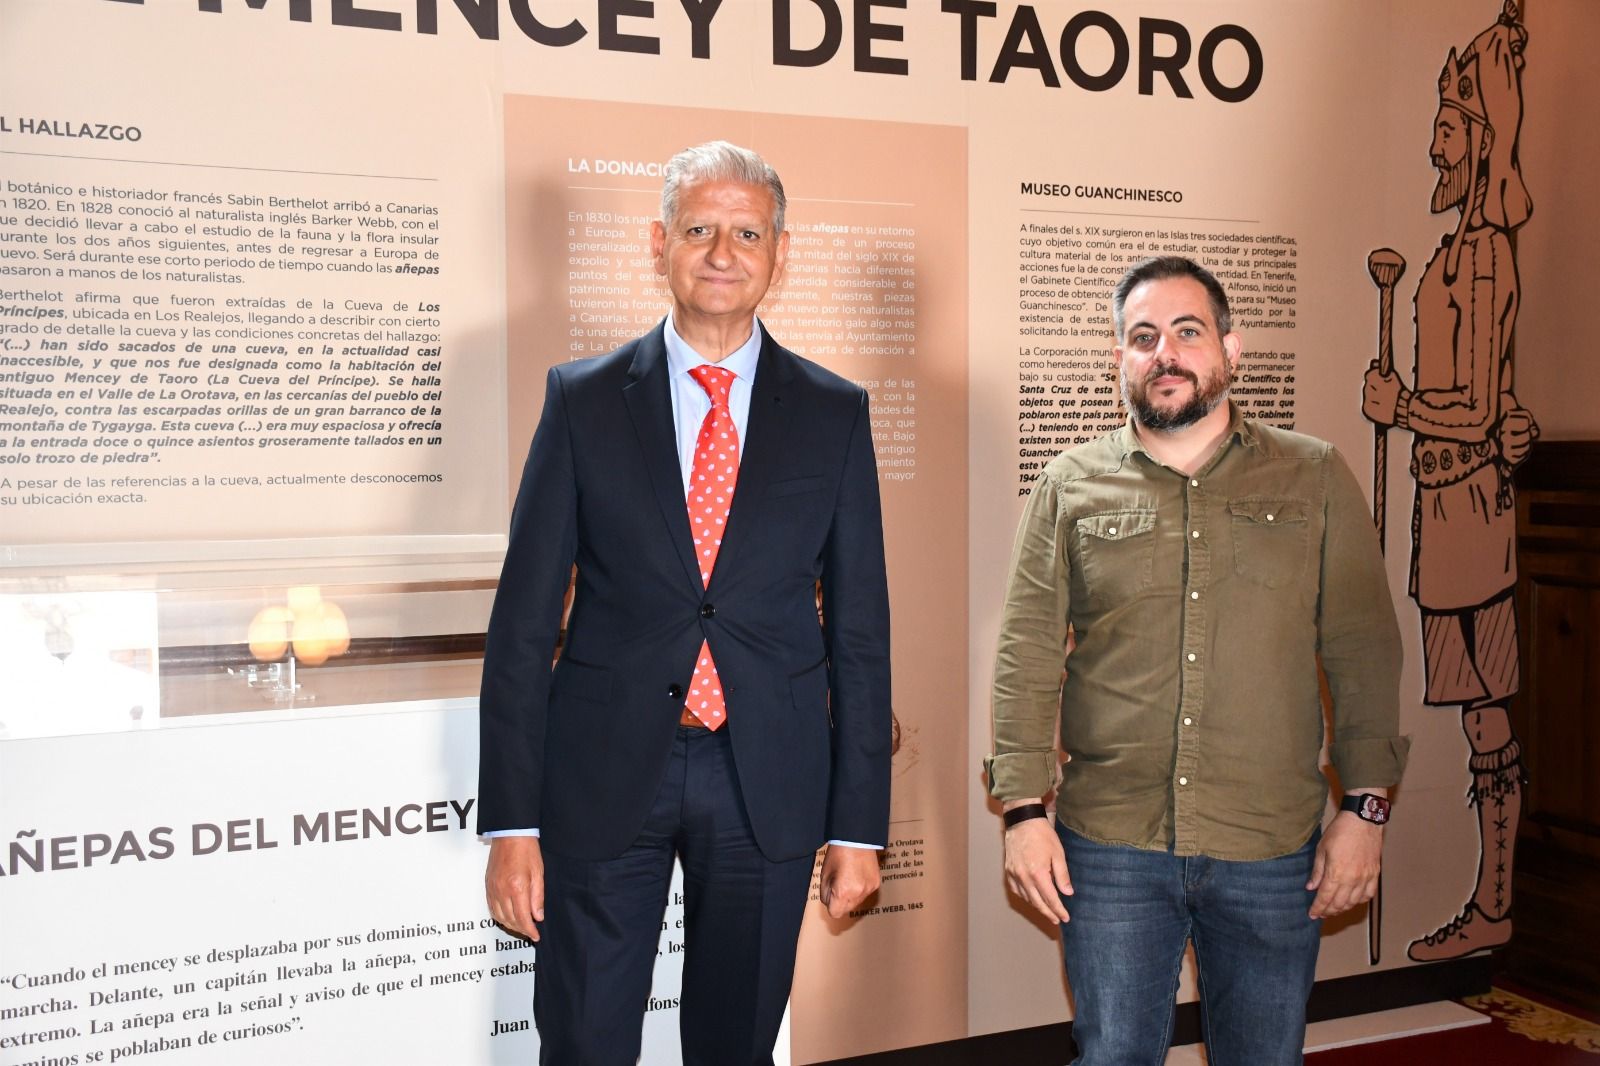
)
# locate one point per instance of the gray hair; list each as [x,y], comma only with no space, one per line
[720,161]
[1160,268]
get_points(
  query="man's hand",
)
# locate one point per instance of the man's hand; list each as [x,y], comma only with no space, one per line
[1380,395]
[1345,871]
[514,884]
[1515,435]
[1036,866]
[849,875]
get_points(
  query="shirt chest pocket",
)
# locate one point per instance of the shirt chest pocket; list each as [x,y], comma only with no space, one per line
[1270,537]
[1115,554]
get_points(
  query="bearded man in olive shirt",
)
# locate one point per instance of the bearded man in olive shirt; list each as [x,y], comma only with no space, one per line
[1202,562]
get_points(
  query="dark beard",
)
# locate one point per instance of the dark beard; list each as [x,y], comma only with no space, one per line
[1204,400]
[1452,187]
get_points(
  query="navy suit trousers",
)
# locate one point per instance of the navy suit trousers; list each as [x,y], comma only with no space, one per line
[742,912]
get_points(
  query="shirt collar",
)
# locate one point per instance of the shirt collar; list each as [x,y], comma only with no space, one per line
[681,358]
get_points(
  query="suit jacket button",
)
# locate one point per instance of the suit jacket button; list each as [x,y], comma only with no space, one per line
[675,692]
[708,611]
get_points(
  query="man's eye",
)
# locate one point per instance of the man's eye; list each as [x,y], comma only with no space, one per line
[697,231]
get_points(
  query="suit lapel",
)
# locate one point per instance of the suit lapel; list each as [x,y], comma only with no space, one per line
[649,401]
[765,432]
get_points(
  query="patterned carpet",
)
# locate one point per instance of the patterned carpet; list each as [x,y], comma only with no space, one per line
[1524,1030]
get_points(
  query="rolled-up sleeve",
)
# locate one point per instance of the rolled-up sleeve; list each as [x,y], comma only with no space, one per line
[1032,649]
[1359,641]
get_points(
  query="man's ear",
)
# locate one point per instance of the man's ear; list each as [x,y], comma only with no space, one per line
[1233,347]
[781,263]
[658,246]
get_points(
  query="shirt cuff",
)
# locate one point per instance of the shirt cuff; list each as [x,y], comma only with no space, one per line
[853,844]
[1370,762]
[1022,774]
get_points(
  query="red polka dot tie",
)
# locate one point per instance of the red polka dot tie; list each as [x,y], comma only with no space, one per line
[716,469]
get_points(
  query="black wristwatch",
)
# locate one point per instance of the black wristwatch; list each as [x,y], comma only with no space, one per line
[1367,807]
[1023,813]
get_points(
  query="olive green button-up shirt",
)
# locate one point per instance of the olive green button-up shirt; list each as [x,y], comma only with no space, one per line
[1199,605]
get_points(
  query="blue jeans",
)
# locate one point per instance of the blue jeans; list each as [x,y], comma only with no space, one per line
[1131,913]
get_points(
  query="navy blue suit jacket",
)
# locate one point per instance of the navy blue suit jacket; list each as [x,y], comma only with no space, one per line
[579,751]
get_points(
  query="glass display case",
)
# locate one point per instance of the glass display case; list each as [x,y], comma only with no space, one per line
[104,649]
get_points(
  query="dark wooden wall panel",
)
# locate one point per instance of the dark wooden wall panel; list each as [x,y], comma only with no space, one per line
[1557,715]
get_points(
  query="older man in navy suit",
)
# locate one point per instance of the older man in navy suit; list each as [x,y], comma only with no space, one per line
[703,480]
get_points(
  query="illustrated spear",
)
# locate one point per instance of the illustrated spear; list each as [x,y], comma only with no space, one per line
[1385,267]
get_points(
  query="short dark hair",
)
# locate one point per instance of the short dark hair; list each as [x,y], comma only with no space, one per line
[1162,267]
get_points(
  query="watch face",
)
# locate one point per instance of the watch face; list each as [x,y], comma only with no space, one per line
[1374,809]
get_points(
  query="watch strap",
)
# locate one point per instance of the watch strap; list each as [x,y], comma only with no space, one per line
[1026,812]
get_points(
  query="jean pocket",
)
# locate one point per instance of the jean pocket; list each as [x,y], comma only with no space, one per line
[1270,534]
[1115,553]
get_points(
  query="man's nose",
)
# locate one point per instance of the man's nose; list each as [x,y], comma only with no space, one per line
[721,252]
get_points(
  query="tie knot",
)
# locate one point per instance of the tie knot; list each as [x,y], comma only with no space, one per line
[716,380]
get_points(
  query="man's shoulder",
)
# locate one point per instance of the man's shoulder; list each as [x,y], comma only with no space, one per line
[814,375]
[615,365]
[1274,442]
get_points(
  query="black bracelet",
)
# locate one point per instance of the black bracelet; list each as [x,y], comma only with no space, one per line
[1025,813]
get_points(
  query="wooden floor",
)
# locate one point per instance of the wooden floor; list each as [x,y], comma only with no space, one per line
[1518,1027]
[1502,1027]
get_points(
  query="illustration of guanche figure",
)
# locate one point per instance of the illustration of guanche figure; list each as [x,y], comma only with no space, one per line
[1469,433]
